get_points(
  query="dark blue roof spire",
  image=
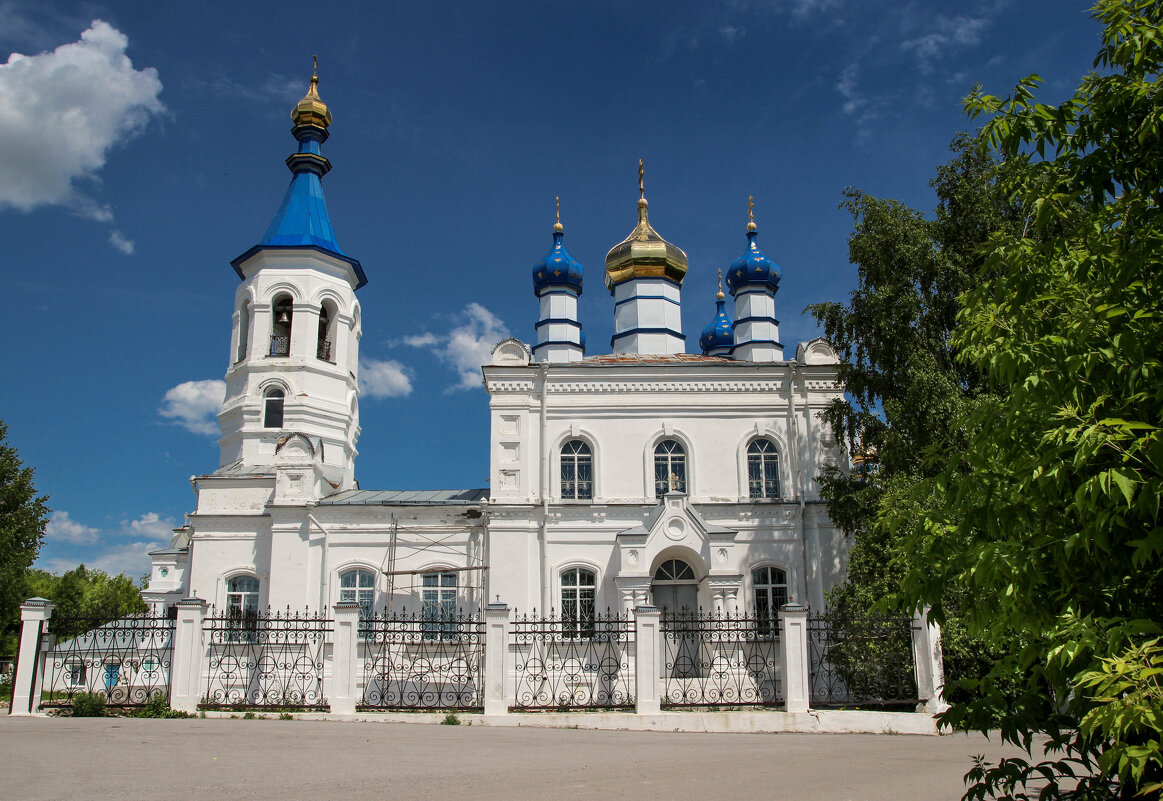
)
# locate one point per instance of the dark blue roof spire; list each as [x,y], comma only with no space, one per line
[302,220]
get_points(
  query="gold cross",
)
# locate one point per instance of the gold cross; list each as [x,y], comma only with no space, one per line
[641,175]
[751,208]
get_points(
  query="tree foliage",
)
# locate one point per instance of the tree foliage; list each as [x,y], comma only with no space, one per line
[23,517]
[906,389]
[1045,505]
[84,598]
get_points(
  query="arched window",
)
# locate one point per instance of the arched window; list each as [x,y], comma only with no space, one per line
[669,467]
[242,596]
[283,313]
[243,331]
[273,408]
[763,469]
[577,471]
[358,586]
[438,610]
[577,602]
[325,345]
[769,585]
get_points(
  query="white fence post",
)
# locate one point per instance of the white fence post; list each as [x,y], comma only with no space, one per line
[188,656]
[26,681]
[647,660]
[930,664]
[496,665]
[344,657]
[793,657]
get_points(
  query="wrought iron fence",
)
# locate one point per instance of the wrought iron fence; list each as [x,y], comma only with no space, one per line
[573,663]
[266,659]
[861,661]
[127,659]
[721,659]
[280,345]
[426,660]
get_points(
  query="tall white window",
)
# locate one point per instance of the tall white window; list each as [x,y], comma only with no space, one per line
[763,469]
[669,467]
[358,586]
[577,602]
[243,331]
[272,416]
[438,594]
[577,471]
[242,596]
[769,585]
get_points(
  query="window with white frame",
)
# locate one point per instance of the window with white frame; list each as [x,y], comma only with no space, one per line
[577,471]
[578,589]
[438,610]
[273,408]
[75,674]
[358,586]
[769,589]
[669,467]
[763,469]
[242,597]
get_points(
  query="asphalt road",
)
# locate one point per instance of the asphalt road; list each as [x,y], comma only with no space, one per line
[124,758]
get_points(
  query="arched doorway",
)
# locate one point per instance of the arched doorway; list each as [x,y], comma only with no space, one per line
[675,588]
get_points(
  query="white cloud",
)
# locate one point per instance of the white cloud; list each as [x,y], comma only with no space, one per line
[802,9]
[60,114]
[151,524]
[194,404]
[118,240]
[848,86]
[948,33]
[384,379]
[130,558]
[63,528]
[467,345]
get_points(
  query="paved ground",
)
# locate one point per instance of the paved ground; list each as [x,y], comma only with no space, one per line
[125,758]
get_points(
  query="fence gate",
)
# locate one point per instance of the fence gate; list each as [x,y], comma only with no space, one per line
[720,659]
[266,659]
[573,663]
[861,661]
[127,660]
[429,660]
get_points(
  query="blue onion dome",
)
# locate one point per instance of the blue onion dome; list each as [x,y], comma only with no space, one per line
[719,334]
[558,268]
[752,268]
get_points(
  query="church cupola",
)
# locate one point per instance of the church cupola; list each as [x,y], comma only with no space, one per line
[557,282]
[644,273]
[718,337]
[295,349]
[753,280]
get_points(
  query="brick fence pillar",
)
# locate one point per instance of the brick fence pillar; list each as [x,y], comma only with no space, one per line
[496,665]
[26,681]
[793,657]
[344,657]
[188,656]
[647,660]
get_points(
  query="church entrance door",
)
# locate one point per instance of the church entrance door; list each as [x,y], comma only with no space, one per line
[676,594]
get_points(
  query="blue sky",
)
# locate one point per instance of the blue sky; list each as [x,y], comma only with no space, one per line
[142,147]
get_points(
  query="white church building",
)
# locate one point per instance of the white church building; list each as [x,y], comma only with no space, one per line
[649,474]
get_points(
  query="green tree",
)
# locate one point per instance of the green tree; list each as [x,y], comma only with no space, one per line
[1047,508]
[905,385]
[84,598]
[23,517]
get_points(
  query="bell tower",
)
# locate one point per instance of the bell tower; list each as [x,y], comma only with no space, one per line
[294,355]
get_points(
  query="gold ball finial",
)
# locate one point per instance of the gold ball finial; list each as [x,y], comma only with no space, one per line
[719,294]
[557,226]
[751,226]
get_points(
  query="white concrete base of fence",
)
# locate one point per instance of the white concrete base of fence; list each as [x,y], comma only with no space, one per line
[736,721]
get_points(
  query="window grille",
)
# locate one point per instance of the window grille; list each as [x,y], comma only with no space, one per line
[763,469]
[669,467]
[577,471]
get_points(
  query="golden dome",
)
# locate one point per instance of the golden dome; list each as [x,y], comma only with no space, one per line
[644,254]
[311,110]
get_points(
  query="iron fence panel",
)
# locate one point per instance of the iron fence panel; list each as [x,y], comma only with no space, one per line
[861,661]
[573,663]
[264,660]
[721,659]
[127,660]
[422,661]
